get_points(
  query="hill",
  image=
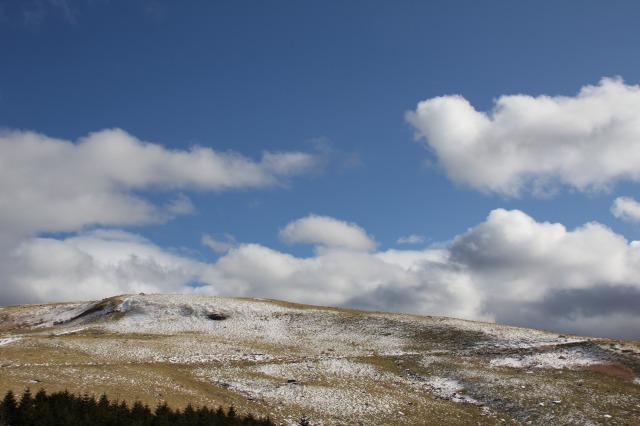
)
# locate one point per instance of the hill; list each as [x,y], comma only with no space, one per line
[334,366]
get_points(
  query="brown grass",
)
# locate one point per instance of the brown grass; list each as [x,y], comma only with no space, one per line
[618,371]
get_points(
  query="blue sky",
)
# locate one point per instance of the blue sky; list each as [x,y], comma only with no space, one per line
[278,149]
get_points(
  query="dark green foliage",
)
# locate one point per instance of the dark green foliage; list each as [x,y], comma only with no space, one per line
[66,409]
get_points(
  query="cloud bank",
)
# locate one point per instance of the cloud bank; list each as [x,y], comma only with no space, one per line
[536,144]
[509,268]
[52,186]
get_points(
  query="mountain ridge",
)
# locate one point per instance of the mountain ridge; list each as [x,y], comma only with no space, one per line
[336,366]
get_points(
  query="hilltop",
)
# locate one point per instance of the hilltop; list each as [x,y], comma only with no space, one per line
[335,366]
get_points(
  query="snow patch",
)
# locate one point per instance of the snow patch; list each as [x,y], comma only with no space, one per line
[337,367]
[558,359]
[75,330]
[277,387]
[8,340]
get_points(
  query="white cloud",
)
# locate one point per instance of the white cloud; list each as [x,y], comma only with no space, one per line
[514,257]
[626,208]
[95,265]
[543,275]
[53,185]
[327,231]
[509,268]
[411,239]
[536,144]
[338,277]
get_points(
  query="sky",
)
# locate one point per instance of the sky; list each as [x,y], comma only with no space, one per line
[478,160]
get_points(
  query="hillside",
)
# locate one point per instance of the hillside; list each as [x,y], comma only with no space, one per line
[335,366]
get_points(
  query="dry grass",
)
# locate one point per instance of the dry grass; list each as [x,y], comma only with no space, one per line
[347,366]
[613,370]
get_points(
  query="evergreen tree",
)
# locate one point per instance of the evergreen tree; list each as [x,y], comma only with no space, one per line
[8,409]
[141,415]
[189,416]
[122,413]
[104,415]
[232,416]
[26,408]
[206,416]
[61,410]
[163,415]
[42,408]
[66,409]
[84,409]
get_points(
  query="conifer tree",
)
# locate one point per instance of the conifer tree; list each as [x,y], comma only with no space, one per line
[163,415]
[66,409]
[42,408]
[189,416]
[26,408]
[8,409]
[141,415]
[231,415]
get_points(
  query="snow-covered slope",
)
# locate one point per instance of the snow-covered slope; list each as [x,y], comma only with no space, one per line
[332,365]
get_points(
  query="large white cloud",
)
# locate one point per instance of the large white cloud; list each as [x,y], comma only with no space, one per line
[509,268]
[50,185]
[53,185]
[536,144]
[93,265]
[541,274]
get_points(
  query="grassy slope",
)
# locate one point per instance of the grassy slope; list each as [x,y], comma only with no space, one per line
[348,365]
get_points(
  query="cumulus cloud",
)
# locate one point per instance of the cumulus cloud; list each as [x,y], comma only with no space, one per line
[626,208]
[537,144]
[53,185]
[510,269]
[541,274]
[339,277]
[327,231]
[94,265]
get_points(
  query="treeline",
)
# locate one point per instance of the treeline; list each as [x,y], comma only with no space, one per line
[66,409]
